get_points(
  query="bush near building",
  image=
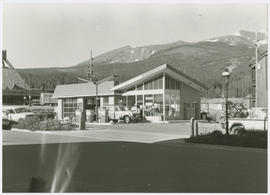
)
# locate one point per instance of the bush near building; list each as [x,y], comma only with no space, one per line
[34,124]
[250,139]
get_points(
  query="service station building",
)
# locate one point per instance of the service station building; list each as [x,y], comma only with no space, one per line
[164,93]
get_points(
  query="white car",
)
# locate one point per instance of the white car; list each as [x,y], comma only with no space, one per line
[17,113]
[116,113]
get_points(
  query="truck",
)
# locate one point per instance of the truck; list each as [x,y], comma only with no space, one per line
[46,99]
[257,120]
[117,113]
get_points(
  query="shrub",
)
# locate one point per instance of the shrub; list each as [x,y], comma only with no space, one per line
[252,139]
[34,123]
[216,133]
[28,123]
[46,115]
[54,125]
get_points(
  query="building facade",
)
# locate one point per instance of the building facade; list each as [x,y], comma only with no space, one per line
[15,90]
[83,96]
[259,81]
[164,93]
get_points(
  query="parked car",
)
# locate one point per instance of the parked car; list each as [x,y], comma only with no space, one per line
[6,123]
[116,113]
[17,113]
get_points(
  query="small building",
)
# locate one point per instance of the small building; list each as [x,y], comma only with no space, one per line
[164,93]
[83,96]
[15,90]
[259,81]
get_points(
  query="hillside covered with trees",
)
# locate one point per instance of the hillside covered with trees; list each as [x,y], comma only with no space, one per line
[205,61]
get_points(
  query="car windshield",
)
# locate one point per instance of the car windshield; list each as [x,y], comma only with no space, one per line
[20,110]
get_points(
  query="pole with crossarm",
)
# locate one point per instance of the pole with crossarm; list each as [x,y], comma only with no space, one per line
[92,78]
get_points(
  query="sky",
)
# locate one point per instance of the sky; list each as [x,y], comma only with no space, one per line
[62,35]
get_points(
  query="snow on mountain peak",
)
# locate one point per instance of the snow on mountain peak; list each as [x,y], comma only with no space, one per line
[236,34]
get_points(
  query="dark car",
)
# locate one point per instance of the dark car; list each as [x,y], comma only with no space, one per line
[6,123]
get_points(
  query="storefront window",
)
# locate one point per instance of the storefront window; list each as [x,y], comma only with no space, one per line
[139,100]
[171,83]
[172,106]
[158,105]
[130,101]
[105,100]
[156,83]
[153,105]
[69,108]
[139,87]
[149,105]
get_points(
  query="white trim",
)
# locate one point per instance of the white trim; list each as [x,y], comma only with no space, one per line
[143,92]
[79,96]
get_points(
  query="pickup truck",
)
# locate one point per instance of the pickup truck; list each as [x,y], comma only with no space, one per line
[256,120]
[248,124]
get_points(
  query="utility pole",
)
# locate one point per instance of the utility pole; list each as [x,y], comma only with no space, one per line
[226,75]
[256,66]
[92,78]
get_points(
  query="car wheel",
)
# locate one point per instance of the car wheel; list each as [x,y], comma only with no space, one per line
[127,119]
[238,130]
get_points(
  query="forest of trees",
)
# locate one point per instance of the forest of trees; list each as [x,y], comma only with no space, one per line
[239,85]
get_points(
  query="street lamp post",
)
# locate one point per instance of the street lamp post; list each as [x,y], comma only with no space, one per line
[96,108]
[29,91]
[226,75]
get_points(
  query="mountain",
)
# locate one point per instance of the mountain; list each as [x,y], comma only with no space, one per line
[204,61]
[128,54]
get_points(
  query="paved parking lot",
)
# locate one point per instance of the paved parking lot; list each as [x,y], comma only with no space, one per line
[100,163]
[136,132]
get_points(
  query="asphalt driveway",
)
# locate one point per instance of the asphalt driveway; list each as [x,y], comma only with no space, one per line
[134,167]
[129,158]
